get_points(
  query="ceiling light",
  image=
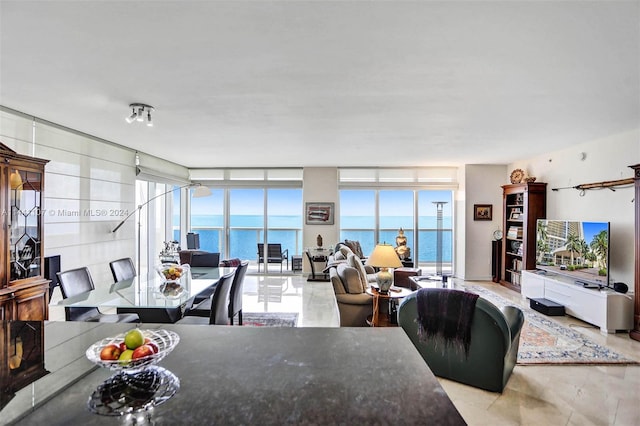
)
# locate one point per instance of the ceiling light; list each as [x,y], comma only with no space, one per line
[138,113]
[132,117]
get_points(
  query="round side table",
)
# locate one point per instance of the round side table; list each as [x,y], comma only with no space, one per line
[392,296]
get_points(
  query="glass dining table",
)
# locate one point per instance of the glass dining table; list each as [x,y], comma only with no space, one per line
[153,299]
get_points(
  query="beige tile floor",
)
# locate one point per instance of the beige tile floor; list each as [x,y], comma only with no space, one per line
[535,395]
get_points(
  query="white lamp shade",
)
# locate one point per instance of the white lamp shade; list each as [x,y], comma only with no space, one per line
[384,256]
[201,191]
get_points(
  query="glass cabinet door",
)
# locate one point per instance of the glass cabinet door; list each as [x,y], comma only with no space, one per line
[24,231]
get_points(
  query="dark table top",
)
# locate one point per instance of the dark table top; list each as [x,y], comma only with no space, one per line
[251,375]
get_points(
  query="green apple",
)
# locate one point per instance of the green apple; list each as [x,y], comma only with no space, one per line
[133,339]
[125,357]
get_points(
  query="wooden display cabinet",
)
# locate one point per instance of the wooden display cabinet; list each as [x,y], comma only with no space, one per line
[21,356]
[522,205]
[24,292]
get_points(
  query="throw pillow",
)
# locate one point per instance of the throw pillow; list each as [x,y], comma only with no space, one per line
[355,262]
[350,279]
[355,247]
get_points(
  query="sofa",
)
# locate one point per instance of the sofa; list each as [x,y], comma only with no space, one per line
[495,336]
[350,280]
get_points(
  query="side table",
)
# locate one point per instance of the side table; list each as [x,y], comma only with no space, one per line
[394,294]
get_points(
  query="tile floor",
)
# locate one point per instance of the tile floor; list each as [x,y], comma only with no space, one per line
[535,395]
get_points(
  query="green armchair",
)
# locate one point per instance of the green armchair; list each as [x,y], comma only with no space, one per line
[495,336]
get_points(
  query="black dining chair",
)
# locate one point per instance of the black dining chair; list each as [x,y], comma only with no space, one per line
[77,281]
[122,269]
[202,307]
[235,294]
[219,312]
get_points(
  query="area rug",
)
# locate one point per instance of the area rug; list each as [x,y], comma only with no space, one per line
[270,319]
[545,341]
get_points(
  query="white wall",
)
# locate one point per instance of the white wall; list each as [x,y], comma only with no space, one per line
[88,188]
[482,185]
[320,184]
[605,160]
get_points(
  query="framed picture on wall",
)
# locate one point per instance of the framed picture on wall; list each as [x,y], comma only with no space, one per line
[319,213]
[483,212]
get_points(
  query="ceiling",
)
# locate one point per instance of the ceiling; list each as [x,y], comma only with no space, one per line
[291,83]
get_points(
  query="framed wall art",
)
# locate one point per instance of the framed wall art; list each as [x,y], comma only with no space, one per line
[483,212]
[319,213]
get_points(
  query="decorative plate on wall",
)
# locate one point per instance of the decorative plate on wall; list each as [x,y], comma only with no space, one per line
[516,176]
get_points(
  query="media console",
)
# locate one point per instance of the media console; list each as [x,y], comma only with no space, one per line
[604,308]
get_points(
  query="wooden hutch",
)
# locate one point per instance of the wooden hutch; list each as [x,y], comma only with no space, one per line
[23,289]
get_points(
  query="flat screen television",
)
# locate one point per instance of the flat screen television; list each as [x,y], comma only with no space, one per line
[575,249]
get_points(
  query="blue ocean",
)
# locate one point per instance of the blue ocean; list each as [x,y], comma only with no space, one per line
[247,231]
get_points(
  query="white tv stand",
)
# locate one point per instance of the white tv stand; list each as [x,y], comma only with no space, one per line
[604,308]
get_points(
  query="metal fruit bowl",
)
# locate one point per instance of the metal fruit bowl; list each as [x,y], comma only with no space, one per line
[165,340]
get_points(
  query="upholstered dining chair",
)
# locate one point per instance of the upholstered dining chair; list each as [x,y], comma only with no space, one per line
[122,269]
[235,295]
[77,281]
[219,313]
[202,308]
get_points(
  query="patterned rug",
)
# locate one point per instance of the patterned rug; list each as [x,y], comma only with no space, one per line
[270,319]
[545,341]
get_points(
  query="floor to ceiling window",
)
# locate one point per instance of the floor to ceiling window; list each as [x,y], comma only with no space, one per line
[376,203]
[247,207]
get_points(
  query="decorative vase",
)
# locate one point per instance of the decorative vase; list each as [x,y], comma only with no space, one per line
[319,240]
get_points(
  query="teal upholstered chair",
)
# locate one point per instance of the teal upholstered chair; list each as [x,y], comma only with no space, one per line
[495,336]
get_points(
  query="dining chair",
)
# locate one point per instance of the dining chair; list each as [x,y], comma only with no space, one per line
[201,307]
[219,312]
[235,294]
[122,269]
[77,281]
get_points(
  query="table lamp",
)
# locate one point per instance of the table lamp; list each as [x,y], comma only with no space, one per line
[384,257]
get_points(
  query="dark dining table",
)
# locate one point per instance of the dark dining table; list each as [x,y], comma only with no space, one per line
[247,375]
[153,299]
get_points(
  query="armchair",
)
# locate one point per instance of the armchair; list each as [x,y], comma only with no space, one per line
[275,254]
[495,336]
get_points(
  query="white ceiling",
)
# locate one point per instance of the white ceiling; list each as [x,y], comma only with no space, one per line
[288,83]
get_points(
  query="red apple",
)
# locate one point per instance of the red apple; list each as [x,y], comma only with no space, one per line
[142,351]
[110,352]
[150,342]
[123,346]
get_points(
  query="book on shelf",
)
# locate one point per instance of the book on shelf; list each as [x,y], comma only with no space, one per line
[515,232]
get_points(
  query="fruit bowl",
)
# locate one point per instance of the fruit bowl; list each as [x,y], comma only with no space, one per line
[165,340]
[172,272]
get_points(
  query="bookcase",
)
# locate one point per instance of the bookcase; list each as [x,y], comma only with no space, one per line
[522,205]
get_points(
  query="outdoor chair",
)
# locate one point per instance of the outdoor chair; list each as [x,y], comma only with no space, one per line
[275,254]
[75,282]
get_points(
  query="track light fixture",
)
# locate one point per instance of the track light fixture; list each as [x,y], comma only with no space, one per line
[138,111]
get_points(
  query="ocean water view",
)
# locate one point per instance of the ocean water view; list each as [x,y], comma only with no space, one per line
[246,231]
